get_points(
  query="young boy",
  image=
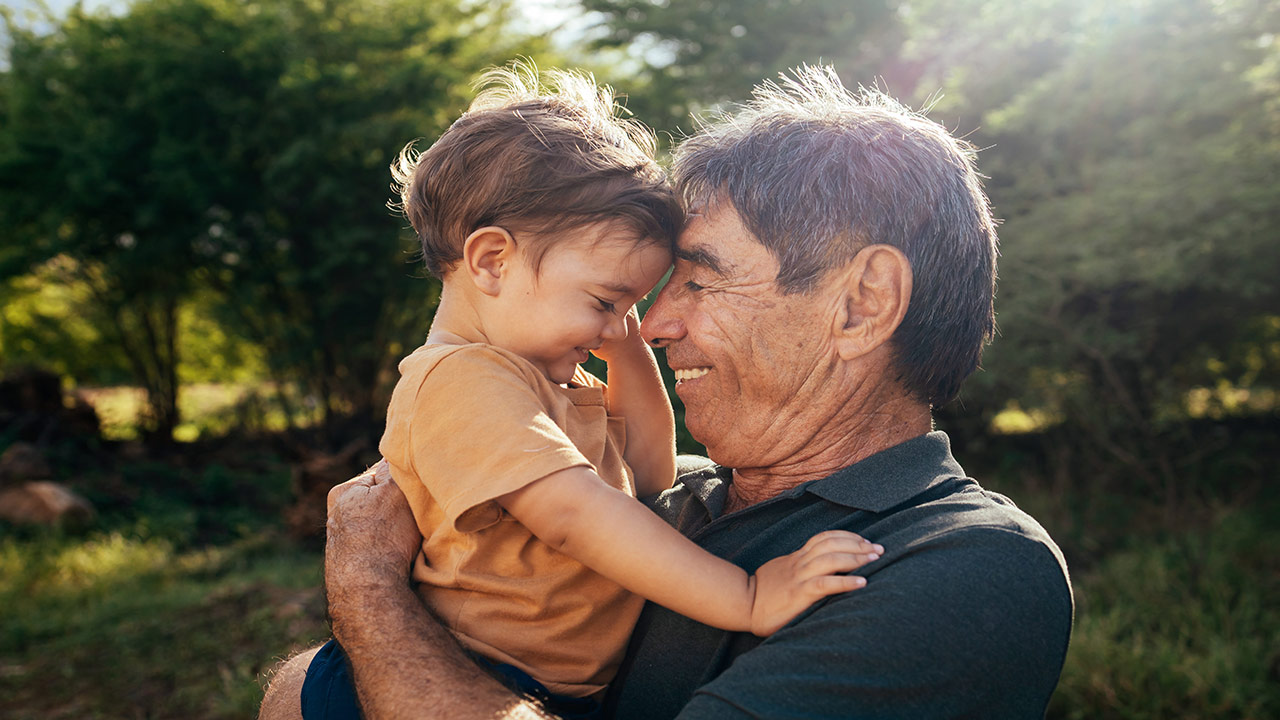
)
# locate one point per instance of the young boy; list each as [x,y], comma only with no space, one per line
[547,219]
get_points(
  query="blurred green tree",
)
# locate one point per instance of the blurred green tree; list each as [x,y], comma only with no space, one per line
[240,147]
[696,54]
[1134,150]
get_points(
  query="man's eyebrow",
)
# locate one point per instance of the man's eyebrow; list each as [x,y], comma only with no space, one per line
[701,255]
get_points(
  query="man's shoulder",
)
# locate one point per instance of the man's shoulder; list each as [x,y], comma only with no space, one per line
[961,514]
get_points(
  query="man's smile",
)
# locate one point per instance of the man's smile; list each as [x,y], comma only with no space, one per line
[691,373]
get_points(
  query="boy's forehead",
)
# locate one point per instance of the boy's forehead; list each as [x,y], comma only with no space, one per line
[625,267]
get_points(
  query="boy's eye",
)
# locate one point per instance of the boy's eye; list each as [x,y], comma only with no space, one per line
[606,306]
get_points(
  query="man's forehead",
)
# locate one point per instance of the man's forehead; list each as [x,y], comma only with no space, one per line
[703,241]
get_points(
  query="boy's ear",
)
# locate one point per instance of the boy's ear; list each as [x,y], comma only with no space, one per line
[873,293]
[486,255]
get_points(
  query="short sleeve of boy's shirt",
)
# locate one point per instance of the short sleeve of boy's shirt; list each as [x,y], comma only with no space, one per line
[474,422]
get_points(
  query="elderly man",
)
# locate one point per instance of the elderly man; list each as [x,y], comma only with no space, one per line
[834,283]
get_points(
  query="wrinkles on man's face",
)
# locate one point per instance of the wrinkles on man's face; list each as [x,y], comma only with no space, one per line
[760,344]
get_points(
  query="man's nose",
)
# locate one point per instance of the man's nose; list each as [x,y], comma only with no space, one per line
[663,325]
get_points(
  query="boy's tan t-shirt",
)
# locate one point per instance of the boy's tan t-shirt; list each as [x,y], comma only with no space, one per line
[468,424]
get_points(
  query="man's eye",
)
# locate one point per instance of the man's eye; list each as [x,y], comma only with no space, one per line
[694,287]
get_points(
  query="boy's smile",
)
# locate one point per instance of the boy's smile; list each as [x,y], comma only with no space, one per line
[576,300]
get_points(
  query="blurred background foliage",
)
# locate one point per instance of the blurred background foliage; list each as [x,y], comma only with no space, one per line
[196,241]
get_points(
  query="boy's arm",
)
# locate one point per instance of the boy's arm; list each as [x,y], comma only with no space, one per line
[636,392]
[573,511]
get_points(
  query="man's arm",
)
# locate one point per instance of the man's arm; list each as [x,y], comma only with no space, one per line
[405,664]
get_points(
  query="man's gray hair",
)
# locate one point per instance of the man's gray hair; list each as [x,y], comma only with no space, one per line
[817,172]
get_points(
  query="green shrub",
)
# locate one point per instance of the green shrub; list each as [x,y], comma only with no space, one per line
[1181,627]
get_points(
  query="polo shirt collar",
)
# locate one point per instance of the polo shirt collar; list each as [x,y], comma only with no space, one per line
[890,477]
[710,486]
[882,481]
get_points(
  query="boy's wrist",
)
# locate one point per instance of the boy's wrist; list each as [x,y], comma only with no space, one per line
[630,347]
[627,350]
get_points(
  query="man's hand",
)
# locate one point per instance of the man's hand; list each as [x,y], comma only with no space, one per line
[404,663]
[787,585]
[372,537]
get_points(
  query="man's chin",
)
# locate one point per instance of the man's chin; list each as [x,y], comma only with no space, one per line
[694,424]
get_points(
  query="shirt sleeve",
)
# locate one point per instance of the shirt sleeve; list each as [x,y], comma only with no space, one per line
[584,378]
[476,429]
[962,630]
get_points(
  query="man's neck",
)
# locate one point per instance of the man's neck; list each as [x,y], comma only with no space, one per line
[860,435]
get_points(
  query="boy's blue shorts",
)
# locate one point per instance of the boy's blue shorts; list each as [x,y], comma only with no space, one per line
[328,692]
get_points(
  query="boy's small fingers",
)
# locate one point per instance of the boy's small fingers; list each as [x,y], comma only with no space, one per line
[832,584]
[830,563]
[844,543]
[822,537]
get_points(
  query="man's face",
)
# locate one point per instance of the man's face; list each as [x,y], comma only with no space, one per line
[748,359]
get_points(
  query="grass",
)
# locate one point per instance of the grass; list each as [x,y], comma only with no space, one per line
[185,593]
[113,626]
[1184,626]
[175,604]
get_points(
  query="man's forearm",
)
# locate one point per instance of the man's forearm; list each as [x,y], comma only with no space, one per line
[404,662]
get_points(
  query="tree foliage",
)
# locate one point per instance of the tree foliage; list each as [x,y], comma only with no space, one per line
[1132,149]
[239,147]
[1134,161]
[697,54]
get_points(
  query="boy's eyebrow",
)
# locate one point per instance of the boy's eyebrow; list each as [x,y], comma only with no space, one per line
[702,255]
[617,288]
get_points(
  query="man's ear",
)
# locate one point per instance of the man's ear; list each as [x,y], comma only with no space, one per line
[486,255]
[874,291]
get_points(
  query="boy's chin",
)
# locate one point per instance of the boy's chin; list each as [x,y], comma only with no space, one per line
[561,374]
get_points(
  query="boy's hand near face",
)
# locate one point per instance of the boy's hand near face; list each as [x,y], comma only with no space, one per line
[635,392]
[632,344]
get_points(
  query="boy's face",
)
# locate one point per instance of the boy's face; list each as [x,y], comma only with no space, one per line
[577,299]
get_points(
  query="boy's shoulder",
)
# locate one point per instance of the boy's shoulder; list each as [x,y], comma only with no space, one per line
[468,359]
[443,362]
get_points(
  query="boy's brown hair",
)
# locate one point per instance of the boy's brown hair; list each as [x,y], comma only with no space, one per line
[539,153]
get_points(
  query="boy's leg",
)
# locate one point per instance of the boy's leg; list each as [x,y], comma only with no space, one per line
[282,699]
[316,685]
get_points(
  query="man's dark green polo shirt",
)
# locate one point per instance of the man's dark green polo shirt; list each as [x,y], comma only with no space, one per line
[967,614]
